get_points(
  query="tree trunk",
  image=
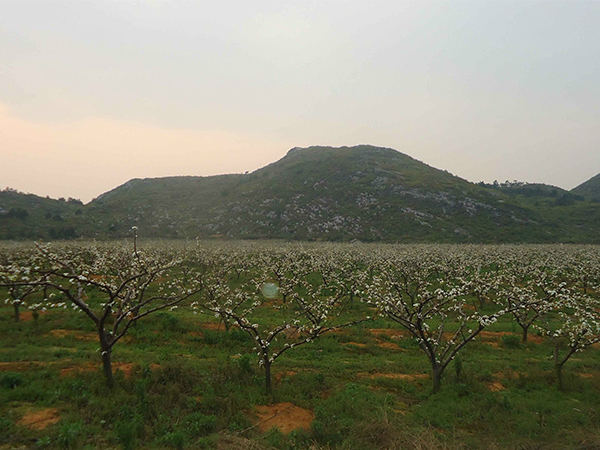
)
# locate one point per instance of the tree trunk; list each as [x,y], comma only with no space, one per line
[17,315]
[106,359]
[268,385]
[437,378]
[107,368]
[225,321]
[559,377]
[481,300]
[525,331]
[558,369]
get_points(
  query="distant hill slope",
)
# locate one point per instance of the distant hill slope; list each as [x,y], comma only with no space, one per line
[321,193]
[27,216]
[590,189]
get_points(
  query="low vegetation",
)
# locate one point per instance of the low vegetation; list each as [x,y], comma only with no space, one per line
[324,346]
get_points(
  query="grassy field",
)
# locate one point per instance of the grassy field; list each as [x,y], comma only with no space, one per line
[185,382]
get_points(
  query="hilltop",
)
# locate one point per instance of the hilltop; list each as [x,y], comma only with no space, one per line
[361,193]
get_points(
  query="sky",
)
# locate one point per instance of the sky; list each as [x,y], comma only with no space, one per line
[94,93]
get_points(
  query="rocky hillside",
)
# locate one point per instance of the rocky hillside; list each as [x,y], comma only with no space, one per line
[365,193]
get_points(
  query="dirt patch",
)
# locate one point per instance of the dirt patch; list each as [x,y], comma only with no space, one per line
[27,315]
[394,334]
[285,416]
[536,339]
[79,335]
[356,344]
[396,376]
[126,368]
[288,373]
[213,326]
[508,374]
[497,335]
[39,419]
[586,375]
[271,303]
[20,366]
[493,344]
[389,345]
[495,386]
[81,368]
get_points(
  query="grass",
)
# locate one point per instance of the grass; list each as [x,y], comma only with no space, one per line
[191,387]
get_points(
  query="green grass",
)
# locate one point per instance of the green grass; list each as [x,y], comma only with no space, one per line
[191,391]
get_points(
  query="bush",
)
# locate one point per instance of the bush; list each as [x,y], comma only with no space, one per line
[511,341]
[175,439]
[5,424]
[69,434]
[11,380]
[169,322]
[245,364]
[199,425]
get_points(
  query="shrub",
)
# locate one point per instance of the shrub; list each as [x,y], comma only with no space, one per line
[245,364]
[199,425]
[511,341]
[11,380]
[69,434]
[5,424]
[174,439]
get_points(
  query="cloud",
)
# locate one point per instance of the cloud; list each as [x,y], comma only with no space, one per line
[87,157]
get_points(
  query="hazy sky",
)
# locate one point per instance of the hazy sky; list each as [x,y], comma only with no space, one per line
[94,93]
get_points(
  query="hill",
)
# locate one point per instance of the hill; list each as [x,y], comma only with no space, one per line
[28,216]
[364,192]
[361,193]
[590,189]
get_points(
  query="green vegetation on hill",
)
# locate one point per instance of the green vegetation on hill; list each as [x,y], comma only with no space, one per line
[322,193]
[590,189]
[27,216]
